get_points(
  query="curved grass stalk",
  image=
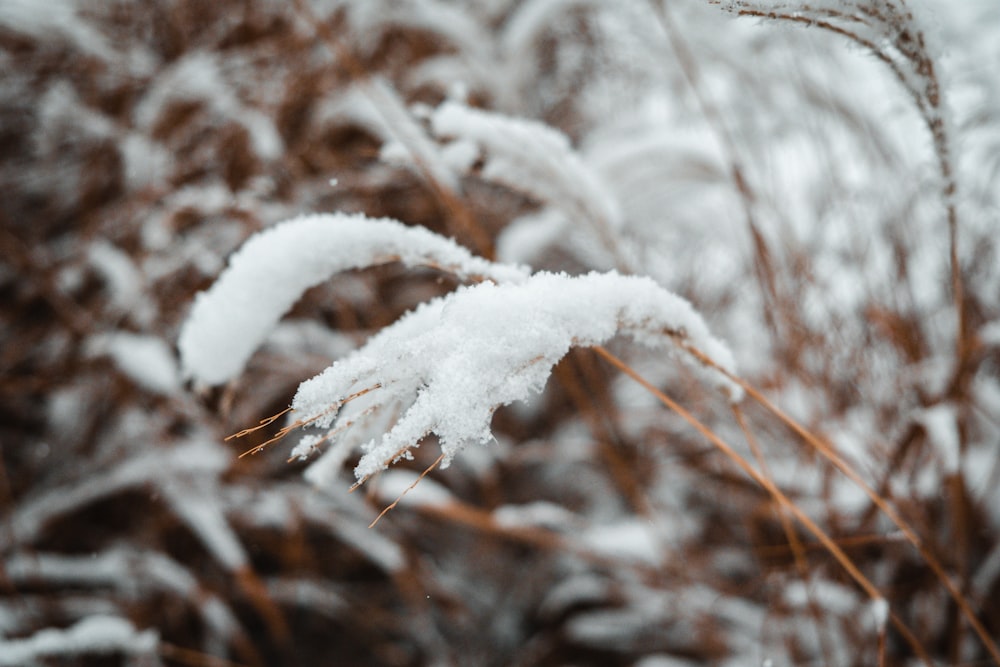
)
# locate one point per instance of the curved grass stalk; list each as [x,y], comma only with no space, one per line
[825,450]
[828,543]
[901,46]
[794,543]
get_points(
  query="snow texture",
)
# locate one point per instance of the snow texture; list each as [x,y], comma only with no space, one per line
[454,360]
[272,270]
[99,634]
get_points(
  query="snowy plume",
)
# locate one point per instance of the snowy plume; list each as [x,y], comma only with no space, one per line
[452,362]
[272,270]
[886,27]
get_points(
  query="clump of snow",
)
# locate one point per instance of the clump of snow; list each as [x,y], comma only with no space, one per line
[831,596]
[989,334]
[671,661]
[147,360]
[98,634]
[630,540]
[454,360]
[579,589]
[58,17]
[940,423]
[272,270]
[538,513]
[377,106]
[880,610]
[197,504]
[535,159]
[198,77]
[123,278]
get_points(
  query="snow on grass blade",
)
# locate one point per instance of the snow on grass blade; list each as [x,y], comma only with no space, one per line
[448,365]
[275,267]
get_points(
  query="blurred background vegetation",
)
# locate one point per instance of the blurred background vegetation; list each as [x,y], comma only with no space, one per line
[777,176]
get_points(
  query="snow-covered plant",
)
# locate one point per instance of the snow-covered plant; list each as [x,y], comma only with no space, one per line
[537,160]
[795,177]
[446,367]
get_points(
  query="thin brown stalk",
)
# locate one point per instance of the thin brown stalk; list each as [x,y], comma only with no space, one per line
[764,265]
[794,543]
[928,102]
[299,423]
[267,421]
[395,502]
[833,457]
[580,392]
[831,546]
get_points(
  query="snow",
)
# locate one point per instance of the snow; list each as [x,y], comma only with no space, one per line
[147,360]
[200,509]
[97,634]
[535,159]
[123,278]
[880,610]
[376,105]
[833,597]
[154,466]
[128,570]
[272,270]
[630,540]
[581,589]
[861,349]
[454,360]
[348,518]
[198,77]
[538,513]
[989,334]
[941,424]
[54,17]
[667,661]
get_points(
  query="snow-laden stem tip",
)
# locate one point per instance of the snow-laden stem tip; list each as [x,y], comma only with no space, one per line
[446,367]
[269,273]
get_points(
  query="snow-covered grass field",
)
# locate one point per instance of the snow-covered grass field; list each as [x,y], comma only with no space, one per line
[594,333]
